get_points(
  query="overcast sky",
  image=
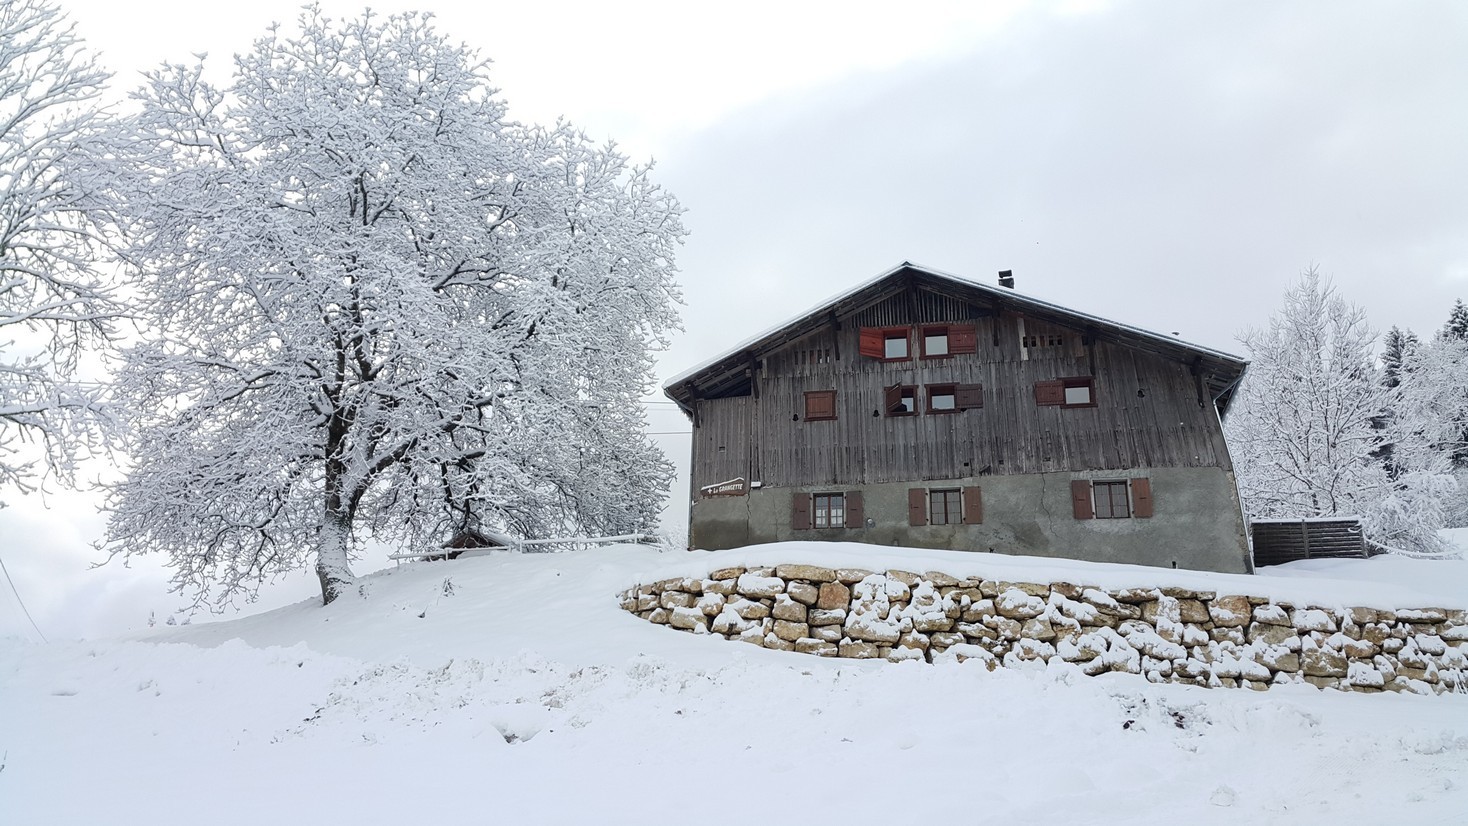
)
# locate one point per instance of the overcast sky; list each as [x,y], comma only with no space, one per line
[1171,165]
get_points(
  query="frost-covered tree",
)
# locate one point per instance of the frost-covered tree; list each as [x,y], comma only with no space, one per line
[1396,346]
[1457,326]
[1307,432]
[1426,421]
[52,303]
[376,308]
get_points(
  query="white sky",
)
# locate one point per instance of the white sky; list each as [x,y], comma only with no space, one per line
[1164,164]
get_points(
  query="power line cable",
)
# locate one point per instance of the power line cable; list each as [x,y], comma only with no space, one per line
[21,602]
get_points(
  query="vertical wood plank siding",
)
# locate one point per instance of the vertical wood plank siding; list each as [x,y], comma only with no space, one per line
[1164,426]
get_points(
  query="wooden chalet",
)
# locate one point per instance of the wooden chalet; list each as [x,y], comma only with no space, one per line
[928,410]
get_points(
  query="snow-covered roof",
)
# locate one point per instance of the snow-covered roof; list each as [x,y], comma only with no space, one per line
[1226,368]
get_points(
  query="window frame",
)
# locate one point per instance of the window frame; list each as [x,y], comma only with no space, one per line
[944,330]
[1106,490]
[952,499]
[1088,382]
[905,391]
[815,394]
[822,510]
[893,334]
[945,389]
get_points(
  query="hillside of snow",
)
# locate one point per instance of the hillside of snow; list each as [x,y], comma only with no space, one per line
[511,688]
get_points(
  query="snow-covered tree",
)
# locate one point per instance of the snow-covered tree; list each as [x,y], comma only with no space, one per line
[52,303]
[1425,423]
[1457,326]
[376,308]
[1396,346]
[1305,430]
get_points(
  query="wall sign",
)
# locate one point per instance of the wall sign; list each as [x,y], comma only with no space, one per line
[733,487]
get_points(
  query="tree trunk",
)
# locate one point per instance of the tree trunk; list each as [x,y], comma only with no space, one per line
[332,565]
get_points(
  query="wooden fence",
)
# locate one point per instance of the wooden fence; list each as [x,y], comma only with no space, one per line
[1277,541]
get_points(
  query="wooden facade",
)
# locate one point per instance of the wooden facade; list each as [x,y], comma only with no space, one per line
[805,408]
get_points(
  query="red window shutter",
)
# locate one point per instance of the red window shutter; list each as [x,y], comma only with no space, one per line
[855,516]
[800,511]
[963,338]
[917,506]
[1141,498]
[968,396]
[871,343]
[1049,392]
[973,506]
[1080,499]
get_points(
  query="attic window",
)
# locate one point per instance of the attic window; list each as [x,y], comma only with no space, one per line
[894,344]
[885,343]
[1034,342]
[935,342]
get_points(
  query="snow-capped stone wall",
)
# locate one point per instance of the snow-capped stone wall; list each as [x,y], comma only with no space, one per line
[1166,634]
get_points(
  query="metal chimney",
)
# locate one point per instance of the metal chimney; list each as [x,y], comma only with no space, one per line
[1006,278]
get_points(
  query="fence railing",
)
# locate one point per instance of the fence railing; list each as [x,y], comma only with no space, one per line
[549,545]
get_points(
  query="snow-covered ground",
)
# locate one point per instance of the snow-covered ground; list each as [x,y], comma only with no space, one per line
[511,689]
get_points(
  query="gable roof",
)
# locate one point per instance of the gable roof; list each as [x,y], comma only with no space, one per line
[720,375]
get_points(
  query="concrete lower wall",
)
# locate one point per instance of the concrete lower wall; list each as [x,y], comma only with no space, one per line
[1196,524]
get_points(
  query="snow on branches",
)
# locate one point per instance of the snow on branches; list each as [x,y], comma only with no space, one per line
[377,307]
[52,303]
[1317,431]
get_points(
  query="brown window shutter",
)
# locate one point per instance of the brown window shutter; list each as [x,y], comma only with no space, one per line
[855,516]
[820,404]
[871,343]
[800,511]
[892,399]
[1050,392]
[1141,498]
[917,506]
[973,506]
[968,396]
[1080,499]
[963,338]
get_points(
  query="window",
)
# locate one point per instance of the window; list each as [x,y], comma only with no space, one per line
[894,345]
[935,342]
[951,398]
[1111,500]
[900,400]
[828,510]
[885,343]
[820,405]
[1079,391]
[945,507]
[941,399]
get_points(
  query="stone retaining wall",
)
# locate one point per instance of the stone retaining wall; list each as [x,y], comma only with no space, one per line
[1167,634]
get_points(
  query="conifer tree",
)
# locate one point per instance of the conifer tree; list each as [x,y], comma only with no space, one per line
[1457,326]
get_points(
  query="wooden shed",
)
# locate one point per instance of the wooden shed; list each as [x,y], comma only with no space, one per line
[923,409]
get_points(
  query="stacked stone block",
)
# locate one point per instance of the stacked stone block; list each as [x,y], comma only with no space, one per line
[1163,634]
